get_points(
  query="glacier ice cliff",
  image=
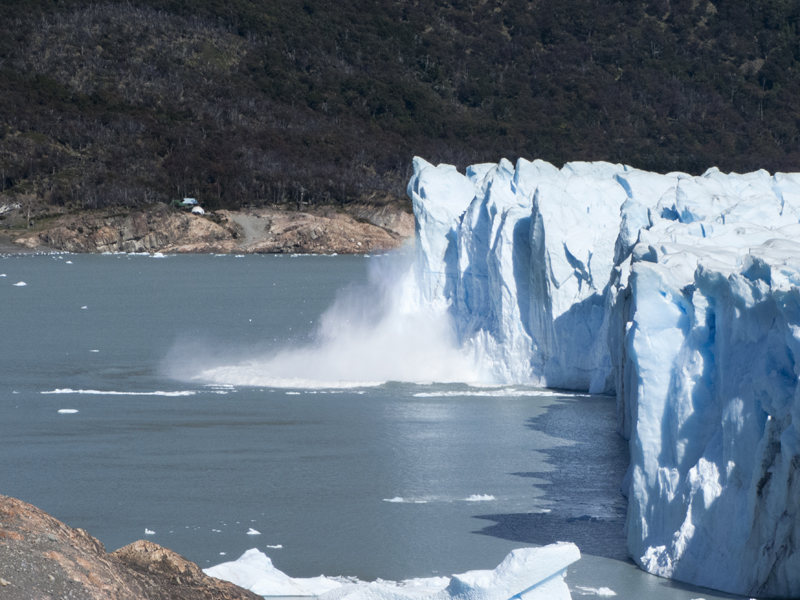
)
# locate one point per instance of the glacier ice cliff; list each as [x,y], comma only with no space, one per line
[679,293]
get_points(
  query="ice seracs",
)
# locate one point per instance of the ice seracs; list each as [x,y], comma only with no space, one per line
[526,573]
[680,294]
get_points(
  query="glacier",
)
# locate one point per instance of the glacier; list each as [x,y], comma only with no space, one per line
[679,294]
[526,574]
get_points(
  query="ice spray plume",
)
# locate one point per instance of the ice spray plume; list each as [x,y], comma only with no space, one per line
[374,333]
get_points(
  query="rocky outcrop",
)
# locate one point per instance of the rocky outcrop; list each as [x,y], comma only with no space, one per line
[327,231]
[42,558]
[266,230]
[151,231]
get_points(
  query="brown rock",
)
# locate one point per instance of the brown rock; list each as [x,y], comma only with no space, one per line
[41,557]
[362,229]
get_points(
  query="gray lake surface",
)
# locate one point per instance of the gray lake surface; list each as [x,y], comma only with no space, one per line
[318,472]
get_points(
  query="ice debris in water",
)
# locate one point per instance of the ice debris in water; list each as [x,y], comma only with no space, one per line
[679,293]
[252,531]
[400,500]
[602,591]
[19,284]
[149,532]
[527,573]
[479,498]
[67,411]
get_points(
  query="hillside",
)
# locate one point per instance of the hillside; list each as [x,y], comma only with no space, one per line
[249,103]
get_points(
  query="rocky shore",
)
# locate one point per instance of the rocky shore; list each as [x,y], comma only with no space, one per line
[360,229]
[42,558]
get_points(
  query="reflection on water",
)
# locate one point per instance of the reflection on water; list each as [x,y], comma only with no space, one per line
[583,497]
[309,469]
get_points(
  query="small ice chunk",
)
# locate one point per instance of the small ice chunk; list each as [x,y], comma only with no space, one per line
[222,553]
[2,274]
[149,531]
[67,411]
[395,499]
[276,546]
[480,498]
[84,307]
[69,262]
[253,532]
[94,350]
[602,591]
[20,284]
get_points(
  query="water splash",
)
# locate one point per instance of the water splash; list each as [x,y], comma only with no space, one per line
[374,333]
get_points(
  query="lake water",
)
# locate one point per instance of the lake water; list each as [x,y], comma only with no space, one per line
[319,472]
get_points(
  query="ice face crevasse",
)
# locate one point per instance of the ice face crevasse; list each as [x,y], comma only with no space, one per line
[679,294]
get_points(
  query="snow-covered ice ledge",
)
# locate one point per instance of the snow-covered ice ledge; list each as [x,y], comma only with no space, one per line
[679,293]
[525,574]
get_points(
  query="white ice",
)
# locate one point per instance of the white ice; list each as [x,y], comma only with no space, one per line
[480,498]
[678,293]
[67,411]
[19,284]
[526,573]
[116,393]
[587,591]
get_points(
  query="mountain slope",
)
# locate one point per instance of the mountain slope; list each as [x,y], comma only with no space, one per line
[246,103]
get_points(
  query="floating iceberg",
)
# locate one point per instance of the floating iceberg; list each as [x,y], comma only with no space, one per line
[526,573]
[681,295]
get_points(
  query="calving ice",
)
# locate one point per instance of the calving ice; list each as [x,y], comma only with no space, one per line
[680,294]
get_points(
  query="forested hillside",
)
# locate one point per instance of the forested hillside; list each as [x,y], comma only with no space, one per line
[248,102]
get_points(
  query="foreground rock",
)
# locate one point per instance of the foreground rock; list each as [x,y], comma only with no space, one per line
[41,557]
[267,230]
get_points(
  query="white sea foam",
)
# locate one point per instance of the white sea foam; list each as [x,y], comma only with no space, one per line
[399,500]
[115,393]
[480,498]
[67,411]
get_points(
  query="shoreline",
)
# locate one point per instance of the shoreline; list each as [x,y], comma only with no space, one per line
[361,229]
